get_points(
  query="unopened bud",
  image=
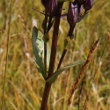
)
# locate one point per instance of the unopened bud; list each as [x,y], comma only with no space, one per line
[72,17]
[73,14]
[88,5]
[52,6]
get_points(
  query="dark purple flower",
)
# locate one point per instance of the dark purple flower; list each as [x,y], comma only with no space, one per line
[50,6]
[88,5]
[72,16]
[73,13]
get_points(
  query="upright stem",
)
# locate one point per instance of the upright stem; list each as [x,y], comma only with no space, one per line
[54,45]
[61,59]
[52,56]
[45,44]
[45,56]
[45,96]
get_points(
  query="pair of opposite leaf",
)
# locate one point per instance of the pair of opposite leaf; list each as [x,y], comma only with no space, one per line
[38,49]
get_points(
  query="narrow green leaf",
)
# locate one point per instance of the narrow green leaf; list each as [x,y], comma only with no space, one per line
[59,71]
[38,46]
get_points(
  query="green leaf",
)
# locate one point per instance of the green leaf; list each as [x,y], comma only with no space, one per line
[59,71]
[38,45]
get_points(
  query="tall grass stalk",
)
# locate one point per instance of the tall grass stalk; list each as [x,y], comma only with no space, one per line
[82,70]
[6,58]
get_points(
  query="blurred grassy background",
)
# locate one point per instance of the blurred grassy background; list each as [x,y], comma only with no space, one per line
[24,85]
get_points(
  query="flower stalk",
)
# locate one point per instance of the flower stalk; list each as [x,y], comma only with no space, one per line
[52,57]
[45,42]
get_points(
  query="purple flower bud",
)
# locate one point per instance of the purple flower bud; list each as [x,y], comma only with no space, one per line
[72,16]
[88,5]
[73,13]
[52,7]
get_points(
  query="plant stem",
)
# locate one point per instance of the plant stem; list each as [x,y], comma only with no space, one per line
[52,56]
[45,56]
[45,96]
[62,57]
[49,23]
[45,43]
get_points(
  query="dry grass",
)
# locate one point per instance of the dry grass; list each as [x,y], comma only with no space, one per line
[24,85]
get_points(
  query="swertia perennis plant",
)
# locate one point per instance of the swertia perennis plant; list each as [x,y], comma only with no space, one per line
[53,14]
